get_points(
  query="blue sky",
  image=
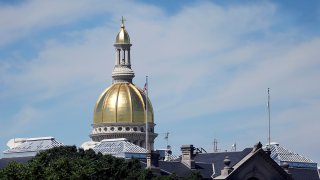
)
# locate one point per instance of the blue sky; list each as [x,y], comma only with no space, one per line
[209,62]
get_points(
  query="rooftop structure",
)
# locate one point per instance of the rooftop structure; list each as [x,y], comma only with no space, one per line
[24,147]
[281,155]
[120,147]
[251,163]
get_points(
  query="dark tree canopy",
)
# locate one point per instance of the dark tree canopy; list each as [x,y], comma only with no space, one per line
[68,162]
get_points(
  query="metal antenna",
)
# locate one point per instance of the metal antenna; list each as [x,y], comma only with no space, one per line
[166,137]
[215,145]
[269,138]
[234,147]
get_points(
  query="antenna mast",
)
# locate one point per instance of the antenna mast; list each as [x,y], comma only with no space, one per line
[166,137]
[234,147]
[269,139]
[215,145]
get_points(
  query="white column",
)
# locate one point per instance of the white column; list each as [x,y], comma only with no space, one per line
[129,63]
[119,56]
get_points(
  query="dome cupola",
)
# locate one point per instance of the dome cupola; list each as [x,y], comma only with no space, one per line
[122,71]
[123,36]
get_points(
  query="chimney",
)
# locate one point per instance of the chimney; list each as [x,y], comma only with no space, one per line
[153,162]
[188,156]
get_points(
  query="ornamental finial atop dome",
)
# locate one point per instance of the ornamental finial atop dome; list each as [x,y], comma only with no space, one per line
[123,36]
[122,22]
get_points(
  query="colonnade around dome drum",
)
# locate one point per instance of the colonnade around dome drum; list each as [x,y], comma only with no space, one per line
[133,132]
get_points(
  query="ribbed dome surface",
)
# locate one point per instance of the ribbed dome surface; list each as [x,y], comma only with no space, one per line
[123,36]
[122,102]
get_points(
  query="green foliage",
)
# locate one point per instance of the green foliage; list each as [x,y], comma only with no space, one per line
[169,177]
[195,175]
[68,162]
[13,170]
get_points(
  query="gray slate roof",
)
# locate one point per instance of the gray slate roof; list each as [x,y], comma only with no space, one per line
[281,154]
[31,146]
[119,147]
[217,159]
[304,173]
[208,164]
[284,154]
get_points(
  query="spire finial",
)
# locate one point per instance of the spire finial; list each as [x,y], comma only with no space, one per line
[122,21]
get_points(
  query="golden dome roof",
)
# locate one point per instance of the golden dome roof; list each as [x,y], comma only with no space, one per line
[122,103]
[123,36]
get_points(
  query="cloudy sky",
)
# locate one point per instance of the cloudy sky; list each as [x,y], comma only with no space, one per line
[209,62]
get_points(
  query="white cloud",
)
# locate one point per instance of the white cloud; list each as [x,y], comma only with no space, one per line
[25,18]
[204,59]
[24,119]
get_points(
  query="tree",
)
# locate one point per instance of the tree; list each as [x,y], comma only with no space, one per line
[13,170]
[195,175]
[68,162]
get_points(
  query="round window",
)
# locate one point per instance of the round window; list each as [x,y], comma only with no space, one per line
[135,128]
[127,129]
[119,128]
[112,128]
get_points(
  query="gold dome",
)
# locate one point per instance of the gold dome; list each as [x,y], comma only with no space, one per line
[122,103]
[123,36]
